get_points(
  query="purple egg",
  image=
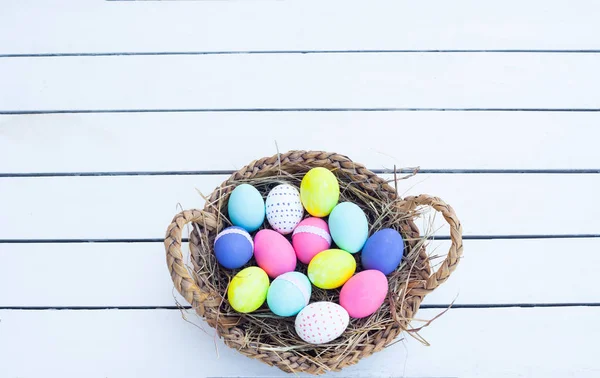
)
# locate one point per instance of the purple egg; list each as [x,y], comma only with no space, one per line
[233,247]
[383,251]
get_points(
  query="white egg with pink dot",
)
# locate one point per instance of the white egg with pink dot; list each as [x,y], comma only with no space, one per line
[321,322]
[284,209]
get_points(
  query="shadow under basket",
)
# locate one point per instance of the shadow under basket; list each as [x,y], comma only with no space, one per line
[272,339]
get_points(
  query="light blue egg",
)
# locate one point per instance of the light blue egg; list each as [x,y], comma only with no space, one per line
[246,207]
[348,227]
[289,293]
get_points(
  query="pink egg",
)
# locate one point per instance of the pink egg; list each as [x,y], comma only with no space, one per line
[364,293]
[274,253]
[310,237]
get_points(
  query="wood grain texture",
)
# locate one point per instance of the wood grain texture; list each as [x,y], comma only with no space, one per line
[431,140]
[143,206]
[157,343]
[81,26]
[412,80]
[135,274]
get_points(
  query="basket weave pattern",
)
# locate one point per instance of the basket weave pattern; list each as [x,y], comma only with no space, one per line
[207,298]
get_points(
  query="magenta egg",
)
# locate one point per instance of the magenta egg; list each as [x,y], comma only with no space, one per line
[364,293]
[274,253]
[310,237]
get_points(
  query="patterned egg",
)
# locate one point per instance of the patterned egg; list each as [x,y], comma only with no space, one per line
[383,251]
[331,268]
[364,293]
[319,192]
[233,247]
[310,237]
[246,207]
[321,322]
[284,209]
[349,227]
[289,293]
[274,253]
[248,289]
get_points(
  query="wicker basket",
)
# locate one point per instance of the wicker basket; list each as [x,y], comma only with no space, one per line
[206,293]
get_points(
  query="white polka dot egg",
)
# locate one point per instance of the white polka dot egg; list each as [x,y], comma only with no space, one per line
[284,209]
[321,322]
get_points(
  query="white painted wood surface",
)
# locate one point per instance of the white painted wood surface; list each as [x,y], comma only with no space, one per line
[538,342]
[390,80]
[442,140]
[532,171]
[134,274]
[76,26]
[143,206]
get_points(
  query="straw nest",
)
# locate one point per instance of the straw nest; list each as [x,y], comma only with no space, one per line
[272,339]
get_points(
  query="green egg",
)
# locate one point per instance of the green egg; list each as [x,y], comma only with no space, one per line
[248,289]
[330,269]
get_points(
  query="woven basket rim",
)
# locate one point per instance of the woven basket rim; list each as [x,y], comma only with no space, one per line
[206,301]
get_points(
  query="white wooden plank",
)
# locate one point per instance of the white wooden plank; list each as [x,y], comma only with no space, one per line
[540,342]
[519,271]
[68,275]
[431,140]
[143,206]
[135,274]
[94,26]
[415,80]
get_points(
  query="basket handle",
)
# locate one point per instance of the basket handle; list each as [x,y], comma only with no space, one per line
[456,248]
[182,280]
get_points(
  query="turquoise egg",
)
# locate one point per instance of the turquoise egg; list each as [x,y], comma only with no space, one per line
[348,227]
[246,208]
[289,293]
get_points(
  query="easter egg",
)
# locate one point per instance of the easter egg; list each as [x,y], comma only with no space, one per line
[248,289]
[319,192]
[331,268]
[383,251]
[321,322]
[349,227]
[284,209]
[274,253]
[289,293]
[233,247]
[310,237]
[246,207]
[364,293]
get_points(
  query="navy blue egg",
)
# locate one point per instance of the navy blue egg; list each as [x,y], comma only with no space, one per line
[383,251]
[233,247]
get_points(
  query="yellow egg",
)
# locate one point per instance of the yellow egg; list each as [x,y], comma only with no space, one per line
[248,289]
[331,268]
[319,192]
